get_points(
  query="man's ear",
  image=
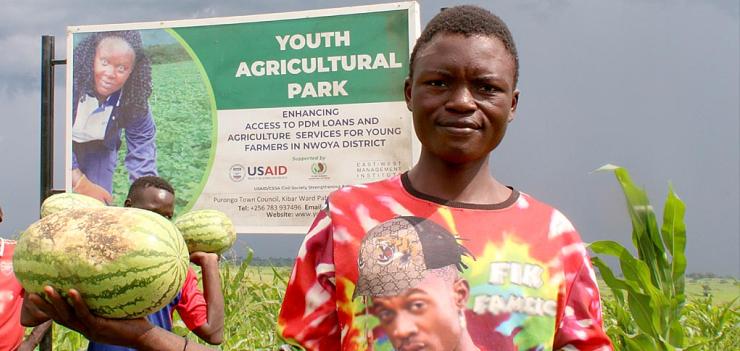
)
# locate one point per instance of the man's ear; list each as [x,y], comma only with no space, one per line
[462,291]
[514,105]
[407,92]
[127,202]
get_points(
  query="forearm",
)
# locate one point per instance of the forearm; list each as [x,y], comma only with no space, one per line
[33,339]
[215,302]
[158,339]
[141,155]
[76,175]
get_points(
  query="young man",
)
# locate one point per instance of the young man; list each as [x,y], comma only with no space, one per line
[202,312]
[531,284]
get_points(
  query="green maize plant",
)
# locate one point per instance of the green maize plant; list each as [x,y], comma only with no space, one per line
[714,326]
[648,301]
[252,297]
[648,309]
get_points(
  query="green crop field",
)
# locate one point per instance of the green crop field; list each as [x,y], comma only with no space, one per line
[253,296]
[722,290]
[181,109]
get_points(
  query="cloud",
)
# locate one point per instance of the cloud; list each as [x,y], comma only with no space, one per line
[649,84]
[19,73]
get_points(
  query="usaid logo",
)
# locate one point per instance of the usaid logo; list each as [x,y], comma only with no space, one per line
[266,171]
[236,173]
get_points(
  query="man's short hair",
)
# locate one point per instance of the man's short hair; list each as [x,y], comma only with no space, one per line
[467,20]
[149,181]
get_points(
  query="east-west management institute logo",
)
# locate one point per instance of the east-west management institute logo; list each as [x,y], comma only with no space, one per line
[370,170]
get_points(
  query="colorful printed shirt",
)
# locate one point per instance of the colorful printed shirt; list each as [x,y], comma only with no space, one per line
[530,282]
[97,159]
[11,299]
[190,305]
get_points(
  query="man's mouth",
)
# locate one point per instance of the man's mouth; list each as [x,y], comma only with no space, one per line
[459,126]
[412,346]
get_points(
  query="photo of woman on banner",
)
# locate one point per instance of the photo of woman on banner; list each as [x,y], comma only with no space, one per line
[111,87]
[410,268]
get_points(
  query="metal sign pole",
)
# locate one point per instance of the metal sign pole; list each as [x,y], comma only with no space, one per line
[47,116]
[47,136]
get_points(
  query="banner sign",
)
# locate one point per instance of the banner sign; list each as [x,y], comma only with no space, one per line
[260,117]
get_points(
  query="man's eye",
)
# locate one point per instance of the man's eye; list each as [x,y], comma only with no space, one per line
[417,306]
[488,89]
[104,62]
[385,316]
[437,83]
[121,69]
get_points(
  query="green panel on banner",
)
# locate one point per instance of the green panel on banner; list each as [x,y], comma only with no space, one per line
[362,58]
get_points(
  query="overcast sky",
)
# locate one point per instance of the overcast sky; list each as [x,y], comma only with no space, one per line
[650,85]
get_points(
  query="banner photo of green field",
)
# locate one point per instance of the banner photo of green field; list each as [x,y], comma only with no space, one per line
[258,116]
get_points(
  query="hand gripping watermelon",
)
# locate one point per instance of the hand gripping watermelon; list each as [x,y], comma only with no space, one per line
[65,201]
[206,230]
[125,262]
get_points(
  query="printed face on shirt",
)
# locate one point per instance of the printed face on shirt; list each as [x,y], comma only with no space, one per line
[154,199]
[462,96]
[427,316]
[114,60]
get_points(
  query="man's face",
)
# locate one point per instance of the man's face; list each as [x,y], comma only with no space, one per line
[461,96]
[154,199]
[113,63]
[425,317]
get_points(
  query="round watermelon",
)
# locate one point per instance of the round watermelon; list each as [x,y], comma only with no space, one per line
[125,262]
[206,230]
[65,201]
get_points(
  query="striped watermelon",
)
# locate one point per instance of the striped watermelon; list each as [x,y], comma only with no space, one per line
[206,231]
[125,262]
[64,201]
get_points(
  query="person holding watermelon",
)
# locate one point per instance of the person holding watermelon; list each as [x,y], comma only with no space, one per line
[202,312]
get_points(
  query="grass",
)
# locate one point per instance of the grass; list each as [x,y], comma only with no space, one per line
[722,290]
[253,295]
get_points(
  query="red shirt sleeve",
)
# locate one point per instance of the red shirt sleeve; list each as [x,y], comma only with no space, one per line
[11,299]
[192,306]
[308,316]
[579,322]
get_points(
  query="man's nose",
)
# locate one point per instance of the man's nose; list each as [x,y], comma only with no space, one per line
[461,98]
[405,326]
